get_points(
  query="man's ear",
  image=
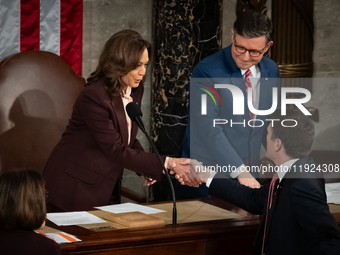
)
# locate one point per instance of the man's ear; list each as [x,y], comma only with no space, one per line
[232,35]
[278,145]
[268,46]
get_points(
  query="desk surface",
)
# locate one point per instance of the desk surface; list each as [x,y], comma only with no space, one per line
[237,232]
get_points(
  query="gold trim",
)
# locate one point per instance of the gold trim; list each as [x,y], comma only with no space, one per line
[296,70]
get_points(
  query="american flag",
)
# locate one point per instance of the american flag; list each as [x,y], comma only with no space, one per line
[48,25]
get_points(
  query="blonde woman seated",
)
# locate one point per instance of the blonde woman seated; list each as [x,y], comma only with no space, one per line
[22,210]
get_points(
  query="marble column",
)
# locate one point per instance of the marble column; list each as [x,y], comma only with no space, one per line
[184,33]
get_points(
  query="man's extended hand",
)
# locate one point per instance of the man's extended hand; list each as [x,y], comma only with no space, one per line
[246,179]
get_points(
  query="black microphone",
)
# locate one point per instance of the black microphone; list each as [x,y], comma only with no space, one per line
[135,114]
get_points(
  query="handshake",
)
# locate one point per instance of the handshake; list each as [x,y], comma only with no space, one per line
[185,171]
[192,173]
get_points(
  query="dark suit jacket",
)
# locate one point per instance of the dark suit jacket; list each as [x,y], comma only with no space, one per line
[19,242]
[298,212]
[86,166]
[224,144]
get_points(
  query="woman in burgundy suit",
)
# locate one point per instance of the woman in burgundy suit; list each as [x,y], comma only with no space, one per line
[85,168]
[22,209]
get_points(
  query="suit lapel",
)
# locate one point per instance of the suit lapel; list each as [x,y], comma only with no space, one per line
[265,90]
[265,96]
[118,109]
[265,100]
[264,87]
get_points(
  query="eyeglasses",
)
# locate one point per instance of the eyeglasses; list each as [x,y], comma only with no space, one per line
[252,53]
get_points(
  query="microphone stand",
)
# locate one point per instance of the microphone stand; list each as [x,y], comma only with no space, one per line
[174,209]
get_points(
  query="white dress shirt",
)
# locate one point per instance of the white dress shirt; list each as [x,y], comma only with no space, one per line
[284,168]
[126,98]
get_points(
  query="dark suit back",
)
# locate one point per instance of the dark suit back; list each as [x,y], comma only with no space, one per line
[299,209]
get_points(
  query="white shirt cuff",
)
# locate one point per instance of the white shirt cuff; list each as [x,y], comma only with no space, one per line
[238,170]
[166,162]
[211,177]
[233,174]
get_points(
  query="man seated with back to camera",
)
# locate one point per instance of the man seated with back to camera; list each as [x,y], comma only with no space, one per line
[296,217]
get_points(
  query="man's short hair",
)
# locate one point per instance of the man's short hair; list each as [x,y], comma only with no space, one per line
[254,24]
[297,141]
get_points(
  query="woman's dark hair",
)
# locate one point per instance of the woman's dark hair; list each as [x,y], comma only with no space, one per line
[121,54]
[22,200]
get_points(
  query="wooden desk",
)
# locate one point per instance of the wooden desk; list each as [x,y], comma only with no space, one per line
[206,237]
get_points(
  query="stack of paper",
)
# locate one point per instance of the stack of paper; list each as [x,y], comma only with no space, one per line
[61,237]
[73,218]
[129,207]
[333,192]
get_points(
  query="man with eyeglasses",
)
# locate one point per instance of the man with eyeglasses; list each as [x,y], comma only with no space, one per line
[242,64]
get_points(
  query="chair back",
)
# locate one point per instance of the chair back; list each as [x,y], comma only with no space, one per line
[37,92]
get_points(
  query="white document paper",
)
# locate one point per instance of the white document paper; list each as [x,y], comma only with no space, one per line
[62,237]
[129,207]
[333,192]
[73,218]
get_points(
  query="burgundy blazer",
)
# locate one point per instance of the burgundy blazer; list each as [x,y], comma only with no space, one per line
[26,242]
[86,166]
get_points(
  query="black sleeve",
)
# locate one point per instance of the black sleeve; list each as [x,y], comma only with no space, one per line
[230,190]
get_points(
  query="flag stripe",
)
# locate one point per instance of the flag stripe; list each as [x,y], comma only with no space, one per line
[71,33]
[10,28]
[29,25]
[50,26]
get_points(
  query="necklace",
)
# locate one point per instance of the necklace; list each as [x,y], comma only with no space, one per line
[129,98]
